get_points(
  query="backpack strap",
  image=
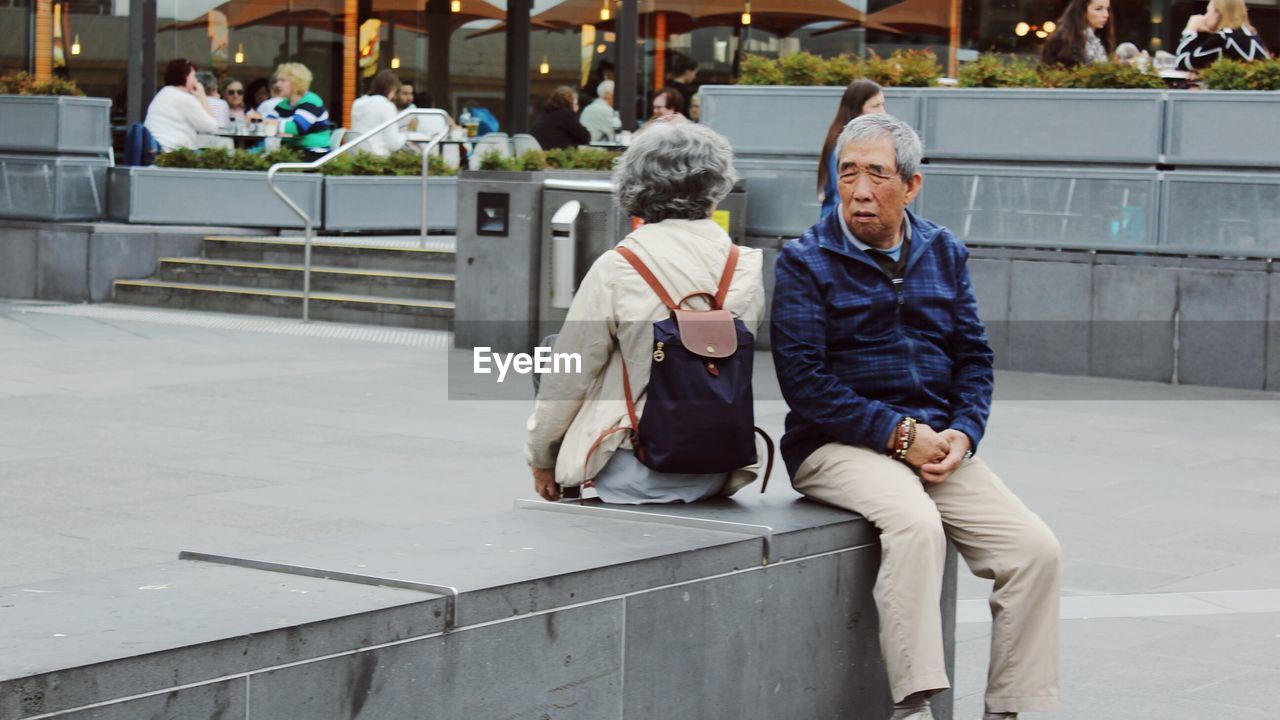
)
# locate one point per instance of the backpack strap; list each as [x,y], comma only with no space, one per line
[634,428]
[768,469]
[726,277]
[649,277]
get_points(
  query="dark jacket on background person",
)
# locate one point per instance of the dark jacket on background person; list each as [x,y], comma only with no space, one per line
[560,128]
[855,351]
[1199,50]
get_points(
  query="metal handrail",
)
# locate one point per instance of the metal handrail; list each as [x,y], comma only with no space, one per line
[317,163]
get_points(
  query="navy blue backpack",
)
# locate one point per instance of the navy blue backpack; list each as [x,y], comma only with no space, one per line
[699,413]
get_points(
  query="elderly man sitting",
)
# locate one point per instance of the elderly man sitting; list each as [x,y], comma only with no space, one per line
[598,116]
[886,368]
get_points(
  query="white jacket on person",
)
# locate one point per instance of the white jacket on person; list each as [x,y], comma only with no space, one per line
[367,113]
[574,409]
[175,118]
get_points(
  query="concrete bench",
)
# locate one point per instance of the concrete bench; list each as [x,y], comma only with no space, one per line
[557,611]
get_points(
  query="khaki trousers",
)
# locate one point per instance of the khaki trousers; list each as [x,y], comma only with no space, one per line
[1000,540]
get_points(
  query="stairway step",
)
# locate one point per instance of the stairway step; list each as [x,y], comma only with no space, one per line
[373,253]
[337,307]
[283,276]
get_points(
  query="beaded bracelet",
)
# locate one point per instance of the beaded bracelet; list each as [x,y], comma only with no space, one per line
[906,435]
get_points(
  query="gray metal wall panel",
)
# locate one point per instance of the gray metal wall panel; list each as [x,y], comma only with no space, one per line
[221,700]
[18,262]
[1219,213]
[389,203]
[1133,322]
[1273,332]
[735,112]
[1222,328]
[774,672]
[1049,311]
[55,124]
[63,264]
[214,197]
[990,279]
[1043,207]
[1030,125]
[782,194]
[1222,128]
[564,664]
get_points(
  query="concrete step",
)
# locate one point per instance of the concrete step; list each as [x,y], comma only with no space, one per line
[372,253]
[336,307]
[279,276]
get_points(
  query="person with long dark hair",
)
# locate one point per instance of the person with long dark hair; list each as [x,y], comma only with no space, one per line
[1223,31]
[558,125]
[860,98]
[1075,40]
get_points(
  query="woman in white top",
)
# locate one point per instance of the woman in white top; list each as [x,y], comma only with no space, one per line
[179,112]
[371,110]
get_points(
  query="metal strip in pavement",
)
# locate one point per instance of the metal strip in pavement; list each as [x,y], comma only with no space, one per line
[764,532]
[432,339]
[450,592]
[1143,605]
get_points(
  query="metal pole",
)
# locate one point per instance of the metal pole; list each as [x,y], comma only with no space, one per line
[519,28]
[306,273]
[628,32]
[426,166]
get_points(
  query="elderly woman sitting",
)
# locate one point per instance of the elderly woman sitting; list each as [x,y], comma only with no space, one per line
[672,177]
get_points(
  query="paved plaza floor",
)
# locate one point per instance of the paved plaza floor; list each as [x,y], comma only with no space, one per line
[129,434]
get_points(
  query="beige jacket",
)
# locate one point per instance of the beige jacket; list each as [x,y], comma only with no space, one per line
[573,409]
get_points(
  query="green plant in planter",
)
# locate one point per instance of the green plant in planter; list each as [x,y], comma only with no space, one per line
[839,70]
[990,71]
[532,160]
[561,159]
[802,68]
[179,158]
[914,68]
[219,159]
[22,83]
[759,70]
[1235,75]
[1110,76]
[493,160]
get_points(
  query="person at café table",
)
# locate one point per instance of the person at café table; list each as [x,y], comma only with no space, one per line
[1223,31]
[178,113]
[667,101]
[233,93]
[303,119]
[1075,40]
[372,110]
[557,126]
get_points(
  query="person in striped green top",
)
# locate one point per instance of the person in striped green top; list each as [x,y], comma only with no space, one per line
[301,113]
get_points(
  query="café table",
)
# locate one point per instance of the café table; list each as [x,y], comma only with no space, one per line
[243,138]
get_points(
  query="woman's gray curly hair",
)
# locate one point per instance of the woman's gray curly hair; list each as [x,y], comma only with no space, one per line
[677,170]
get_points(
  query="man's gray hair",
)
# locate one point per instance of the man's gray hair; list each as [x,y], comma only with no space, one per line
[907,148]
[604,87]
[674,170]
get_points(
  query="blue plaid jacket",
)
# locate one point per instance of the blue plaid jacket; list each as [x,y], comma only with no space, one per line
[854,353]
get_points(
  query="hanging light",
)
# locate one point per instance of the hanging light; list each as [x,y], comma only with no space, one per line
[395,63]
[604,10]
[746,14]
[455,5]
[1049,26]
[545,67]
[1021,29]
[240,54]
[1042,34]
[601,48]
[75,45]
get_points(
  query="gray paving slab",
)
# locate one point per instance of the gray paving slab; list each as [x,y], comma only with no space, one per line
[220,435]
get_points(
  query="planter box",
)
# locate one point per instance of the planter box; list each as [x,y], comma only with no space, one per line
[1235,214]
[389,203]
[1222,128]
[783,194]
[1113,126]
[50,187]
[787,120]
[38,124]
[170,196]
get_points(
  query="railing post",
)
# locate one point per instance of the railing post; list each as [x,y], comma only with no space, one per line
[426,166]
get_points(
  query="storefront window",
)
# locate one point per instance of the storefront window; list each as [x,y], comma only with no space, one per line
[15,31]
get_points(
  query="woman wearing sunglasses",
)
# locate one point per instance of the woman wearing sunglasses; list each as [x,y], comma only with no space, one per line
[233,93]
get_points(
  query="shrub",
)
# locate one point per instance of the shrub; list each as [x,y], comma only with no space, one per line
[1110,76]
[759,70]
[990,71]
[219,159]
[21,83]
[494,160]
[801,68]
[915,68]
[1236,75]
[904,68]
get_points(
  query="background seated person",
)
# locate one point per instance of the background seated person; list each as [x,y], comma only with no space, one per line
[304,121]
[557,126]
[372,110]
[1223,31]
[672,177]
[598,116]
[179,113]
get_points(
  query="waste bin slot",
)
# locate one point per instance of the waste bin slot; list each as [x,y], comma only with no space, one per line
[564,250]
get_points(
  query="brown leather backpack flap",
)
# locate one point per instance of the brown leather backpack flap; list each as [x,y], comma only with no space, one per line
[708,333]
